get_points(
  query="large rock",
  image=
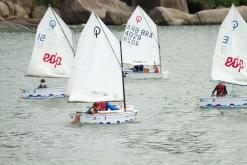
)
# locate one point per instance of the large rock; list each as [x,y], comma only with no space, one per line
[27,5]
[169,16]
[213,16]
[216,16]
[11,7]
[4,10]
[20,12]
[38,12]
[243,11]
[116,18]
[175,4]
[78,11]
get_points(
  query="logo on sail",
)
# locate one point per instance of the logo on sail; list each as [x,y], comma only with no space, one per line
[235,63]
[234,24]
[96,31]
[53,24]
[52,59]
[138,19]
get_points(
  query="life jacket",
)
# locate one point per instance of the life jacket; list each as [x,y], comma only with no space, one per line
[103,106]
[156,70]
[42,86]
[221,88]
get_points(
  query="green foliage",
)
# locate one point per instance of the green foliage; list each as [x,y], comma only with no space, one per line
[243,2]
[226,3]
[46,2]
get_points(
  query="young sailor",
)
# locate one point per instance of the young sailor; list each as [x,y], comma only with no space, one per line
[42,84]
[101,106]
[156,69]
[221,90]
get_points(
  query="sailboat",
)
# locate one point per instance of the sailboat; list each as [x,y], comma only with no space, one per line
[97,74]
[229,60]
[52,56]
[140,45]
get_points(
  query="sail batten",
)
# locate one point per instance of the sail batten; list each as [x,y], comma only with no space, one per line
[53,53]
[230,55]
[140,40]
[96,74]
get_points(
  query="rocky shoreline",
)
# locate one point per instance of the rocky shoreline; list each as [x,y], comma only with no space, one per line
[26,14]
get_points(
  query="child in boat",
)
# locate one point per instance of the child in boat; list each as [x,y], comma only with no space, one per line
[135,68]
[138,68]
[94,109]
[156,69]
[221,90]
[101,106]
[104,106]
[42,84]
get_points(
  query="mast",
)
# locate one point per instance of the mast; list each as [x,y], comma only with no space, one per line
[159,49]
[122,76]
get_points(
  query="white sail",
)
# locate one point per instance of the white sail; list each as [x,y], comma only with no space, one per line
[53,54]
[230,57]
[140,40]
[97,73]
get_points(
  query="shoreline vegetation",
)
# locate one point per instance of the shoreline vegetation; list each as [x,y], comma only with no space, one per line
[26,14]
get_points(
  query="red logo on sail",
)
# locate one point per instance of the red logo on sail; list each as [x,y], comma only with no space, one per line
[235,63]
[138,19]
[52,59]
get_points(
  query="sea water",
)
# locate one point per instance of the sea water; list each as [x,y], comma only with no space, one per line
[170,128]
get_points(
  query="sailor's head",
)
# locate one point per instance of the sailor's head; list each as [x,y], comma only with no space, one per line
[221,83]
[42,80]
[96,106]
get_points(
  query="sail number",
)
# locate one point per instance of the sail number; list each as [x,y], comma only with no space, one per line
[134,34]
[235,63]
[52,59]
[41,37]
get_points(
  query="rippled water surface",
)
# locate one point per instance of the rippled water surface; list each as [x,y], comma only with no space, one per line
[170,128]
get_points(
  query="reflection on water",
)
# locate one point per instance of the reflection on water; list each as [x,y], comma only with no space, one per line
[170,128]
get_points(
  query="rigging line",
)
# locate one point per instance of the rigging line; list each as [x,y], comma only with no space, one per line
[156,39]
[226,82]
[149,26]
[108,41]
[71,47]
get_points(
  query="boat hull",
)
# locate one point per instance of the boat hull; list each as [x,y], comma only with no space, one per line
[106,117]
[223,102]
[143,75]
[44,93]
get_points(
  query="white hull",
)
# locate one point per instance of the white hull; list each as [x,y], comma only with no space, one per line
[106,117]
[44,93]
[142,75]
[223,102]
